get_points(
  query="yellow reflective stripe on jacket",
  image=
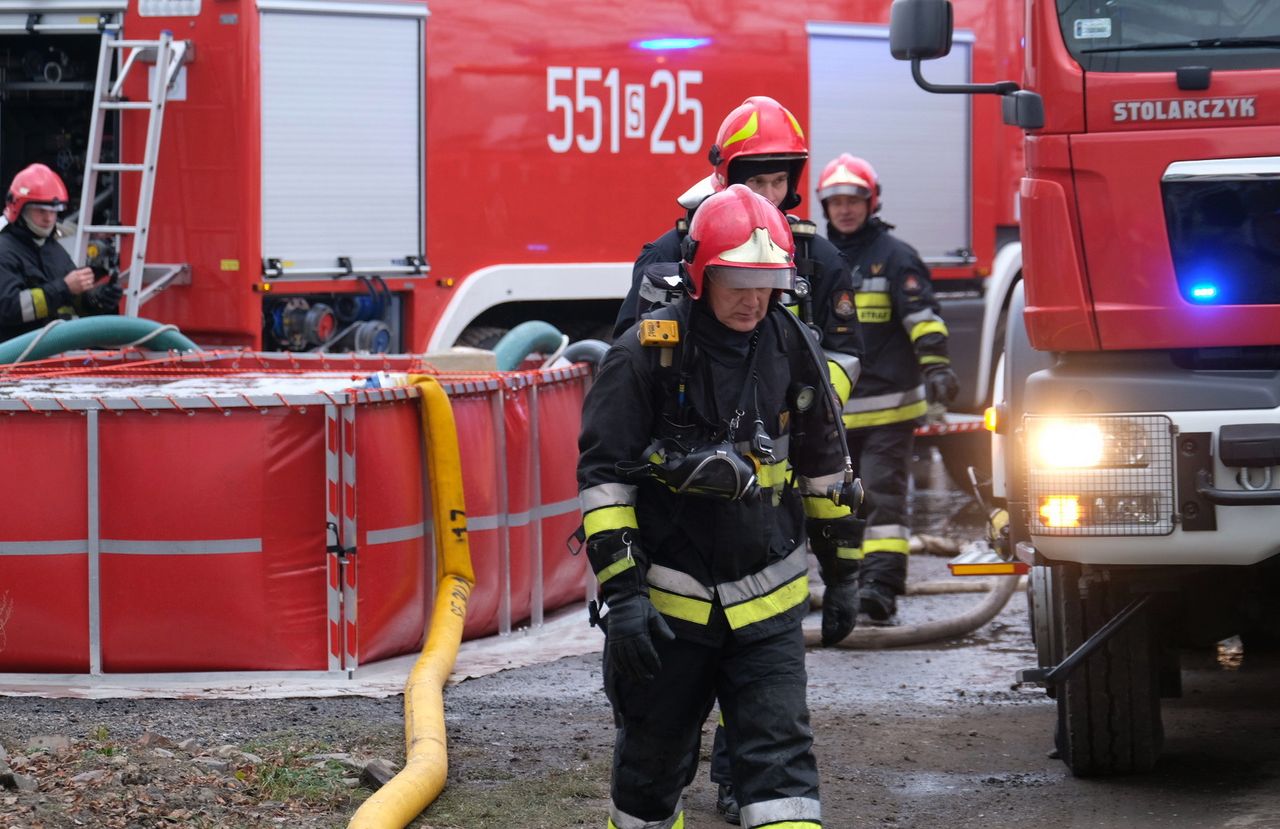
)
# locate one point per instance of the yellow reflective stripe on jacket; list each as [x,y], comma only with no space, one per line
[920,329]
[819,507]
[850,553]
[886,545]
[839,381]
[873,306]
[771,475]
[619,566]
[773,604]
[609,518]
[680,607]
[40,303]
[934,360]
[911,411]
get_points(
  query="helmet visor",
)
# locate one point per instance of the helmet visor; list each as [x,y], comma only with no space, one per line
[780,279]
[55,205]
[855,190]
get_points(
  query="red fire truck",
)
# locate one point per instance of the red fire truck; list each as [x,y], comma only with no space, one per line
[1140,401]
[404,176]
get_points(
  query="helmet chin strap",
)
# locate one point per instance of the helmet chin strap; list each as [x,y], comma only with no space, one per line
[42,234]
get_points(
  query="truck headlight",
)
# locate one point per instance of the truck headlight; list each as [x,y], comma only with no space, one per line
[1090,475]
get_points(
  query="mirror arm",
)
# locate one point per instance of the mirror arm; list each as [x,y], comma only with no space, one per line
[998,88]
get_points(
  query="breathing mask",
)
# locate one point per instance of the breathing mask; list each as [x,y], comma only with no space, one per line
[714,471]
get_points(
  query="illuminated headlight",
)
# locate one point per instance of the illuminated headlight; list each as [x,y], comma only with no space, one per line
[1099,475]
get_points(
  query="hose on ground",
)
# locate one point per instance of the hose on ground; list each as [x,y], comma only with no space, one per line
[426,759]
[872,638]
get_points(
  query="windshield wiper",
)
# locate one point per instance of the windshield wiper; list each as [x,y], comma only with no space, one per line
[1263,42]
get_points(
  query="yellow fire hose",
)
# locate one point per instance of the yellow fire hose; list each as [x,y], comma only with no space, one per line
[426,760]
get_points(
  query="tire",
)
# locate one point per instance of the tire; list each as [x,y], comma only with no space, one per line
[481,336]
[1109,709]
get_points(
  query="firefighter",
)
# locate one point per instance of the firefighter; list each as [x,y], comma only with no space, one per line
[38,280]
[759,144]
[706,455]
[906,369]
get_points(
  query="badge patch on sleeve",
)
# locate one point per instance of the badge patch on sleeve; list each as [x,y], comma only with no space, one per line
[912,284]
[842,305]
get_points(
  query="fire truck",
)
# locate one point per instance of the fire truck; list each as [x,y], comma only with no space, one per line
[345,175]
[1138,423]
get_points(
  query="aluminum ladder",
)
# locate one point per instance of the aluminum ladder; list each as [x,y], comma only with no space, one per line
[141,281]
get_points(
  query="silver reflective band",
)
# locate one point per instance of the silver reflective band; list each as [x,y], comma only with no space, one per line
[849,364]
[783,809]
[887,531]
[674,581]
[912,320]
[622,820]
[874,285]
[817,487]
[28,306]
[766,581]
[884,401]
[607,495]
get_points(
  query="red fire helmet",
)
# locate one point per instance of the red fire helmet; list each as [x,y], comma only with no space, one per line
[743,238]
[849,175]
[761,129]
[35,184]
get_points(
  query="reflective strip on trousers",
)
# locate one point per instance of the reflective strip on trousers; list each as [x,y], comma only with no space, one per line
[887,538]
[619,819]
[884,417]
[785,811]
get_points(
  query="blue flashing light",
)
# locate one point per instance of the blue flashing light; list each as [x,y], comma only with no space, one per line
[1204,293]
[667,44]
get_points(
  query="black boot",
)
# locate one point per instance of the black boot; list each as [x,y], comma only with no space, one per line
[727,805]
[878,602]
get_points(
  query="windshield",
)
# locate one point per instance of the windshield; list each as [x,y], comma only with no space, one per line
[1163,35]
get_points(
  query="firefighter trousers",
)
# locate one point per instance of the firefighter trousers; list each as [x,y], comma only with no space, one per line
[761,689]
[883,454]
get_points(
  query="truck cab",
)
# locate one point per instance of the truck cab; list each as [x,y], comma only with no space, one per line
[1141,416]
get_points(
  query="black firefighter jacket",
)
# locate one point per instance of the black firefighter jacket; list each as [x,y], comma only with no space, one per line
[901,326]
[32,291]
[711,563]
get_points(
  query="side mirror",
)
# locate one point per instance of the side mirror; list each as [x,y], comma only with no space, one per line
[1023,109]
[920,29]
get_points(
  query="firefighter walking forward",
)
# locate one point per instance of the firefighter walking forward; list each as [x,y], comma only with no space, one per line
[705,458]
[906,367]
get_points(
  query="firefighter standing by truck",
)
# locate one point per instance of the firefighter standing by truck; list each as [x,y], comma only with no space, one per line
[760,144]
[696,524]
[906,369]
[38,280]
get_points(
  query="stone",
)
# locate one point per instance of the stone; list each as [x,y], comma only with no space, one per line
[152,739]
[53,743]
[376,773]
[91,776]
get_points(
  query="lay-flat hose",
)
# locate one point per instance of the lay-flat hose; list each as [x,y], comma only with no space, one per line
[871,638]
[426,760]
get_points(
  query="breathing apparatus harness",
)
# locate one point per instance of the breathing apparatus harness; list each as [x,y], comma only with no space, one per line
[688,462]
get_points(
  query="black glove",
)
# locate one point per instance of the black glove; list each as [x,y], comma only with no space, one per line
[105,298]
[940,384]
[632,623]
[839,610]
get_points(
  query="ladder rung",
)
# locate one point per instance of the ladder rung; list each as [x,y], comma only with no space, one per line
[119,168]
[133,44]
[125,104]
[110,228]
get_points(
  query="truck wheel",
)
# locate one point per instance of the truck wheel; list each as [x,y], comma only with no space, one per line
[481,336]
[1109,709]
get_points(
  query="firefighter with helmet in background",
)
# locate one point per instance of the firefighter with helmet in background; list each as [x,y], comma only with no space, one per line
[38,280]
[906,369]
[705,458]
[760,144]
